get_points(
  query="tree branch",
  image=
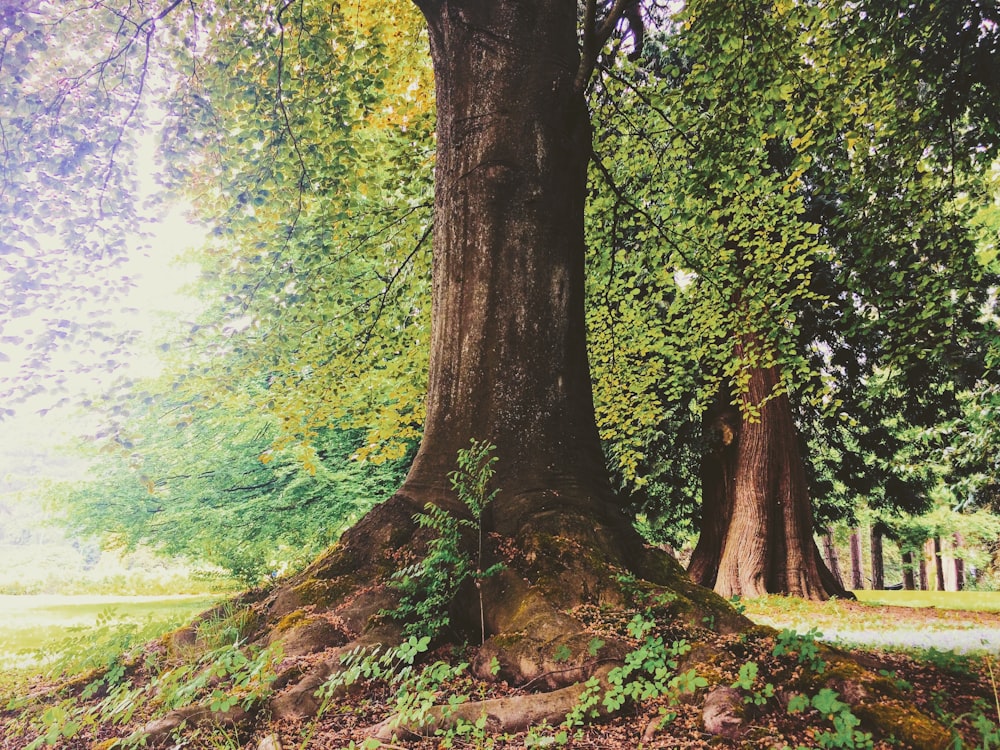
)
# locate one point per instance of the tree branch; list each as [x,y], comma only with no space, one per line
[596,35]
[384,297]
[660,228]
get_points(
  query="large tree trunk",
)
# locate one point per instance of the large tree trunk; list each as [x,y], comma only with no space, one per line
[508,344]
[768,544]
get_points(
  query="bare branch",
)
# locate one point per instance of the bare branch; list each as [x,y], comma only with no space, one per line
[662,230]
[384,297]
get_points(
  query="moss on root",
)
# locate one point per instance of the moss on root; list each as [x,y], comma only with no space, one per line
[909,727]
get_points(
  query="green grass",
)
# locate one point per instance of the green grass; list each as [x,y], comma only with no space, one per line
[38,629]
[970,601]
[58,568]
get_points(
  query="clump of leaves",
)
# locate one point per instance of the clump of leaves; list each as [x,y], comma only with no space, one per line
[417,690]
[845,733]
[949,661]
[649,671]
[802,644]
[747,679]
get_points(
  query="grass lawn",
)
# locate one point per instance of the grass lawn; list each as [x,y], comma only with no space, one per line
[38,623]
[962,621]
[970,601]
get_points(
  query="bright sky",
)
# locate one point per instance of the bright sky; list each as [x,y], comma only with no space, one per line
[159,276]
[157,294]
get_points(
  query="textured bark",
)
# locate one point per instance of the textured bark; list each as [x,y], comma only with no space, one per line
[857,567]
[830,556]
[878,562]
[508,344]
[720,428]
[768,546]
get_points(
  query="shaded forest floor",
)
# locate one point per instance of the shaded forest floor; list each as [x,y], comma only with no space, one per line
[959,690]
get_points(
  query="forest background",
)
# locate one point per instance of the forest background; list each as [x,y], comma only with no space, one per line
[289,402]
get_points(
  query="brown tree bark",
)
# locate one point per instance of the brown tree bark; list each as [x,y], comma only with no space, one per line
[926,552]
[768,546]
[508,346]
[878,561]
[830,555]
[721,426]
[938,564]
[756,512]
[857,567]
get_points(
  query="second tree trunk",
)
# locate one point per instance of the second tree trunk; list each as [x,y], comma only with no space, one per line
[757,516]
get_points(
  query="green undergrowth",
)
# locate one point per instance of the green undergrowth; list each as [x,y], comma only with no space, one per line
[118,673]
[125,679]
[118,678]
[429,585]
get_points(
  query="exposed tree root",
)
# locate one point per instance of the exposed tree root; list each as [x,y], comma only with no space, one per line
[554,617]
[512,714]
[159,731]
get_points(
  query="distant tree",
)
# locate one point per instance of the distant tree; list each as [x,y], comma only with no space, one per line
[210,485]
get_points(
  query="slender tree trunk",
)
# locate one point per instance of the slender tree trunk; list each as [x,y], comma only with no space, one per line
[857,568]
[878,562]
[926,553]
[909,580]
[769,545]
[938,563]
[959,563]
